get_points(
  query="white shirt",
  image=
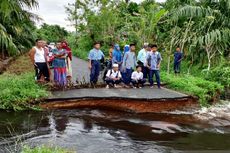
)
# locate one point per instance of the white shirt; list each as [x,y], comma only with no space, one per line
[137,76]
[142,55]
[113,74]
[39,56]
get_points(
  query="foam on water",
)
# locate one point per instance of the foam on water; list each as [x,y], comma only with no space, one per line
[218,111]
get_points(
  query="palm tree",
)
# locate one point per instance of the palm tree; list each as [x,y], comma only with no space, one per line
[211,32]
[16,24]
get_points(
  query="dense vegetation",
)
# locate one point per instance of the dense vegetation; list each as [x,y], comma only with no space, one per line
[17,27]
[18,91]
[200,28]
[17,34]
[205,90]
[51,33]
[16,24]
[18,88]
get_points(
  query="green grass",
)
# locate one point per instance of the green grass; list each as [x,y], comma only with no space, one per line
[196,86]
[81,54]
[18,91]
[44,149]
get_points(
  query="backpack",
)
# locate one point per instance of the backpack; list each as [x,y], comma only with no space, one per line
[105,73]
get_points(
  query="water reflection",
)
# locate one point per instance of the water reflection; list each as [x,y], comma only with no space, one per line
[97,131]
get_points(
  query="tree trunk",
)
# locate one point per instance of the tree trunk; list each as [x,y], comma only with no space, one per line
[209,58]
[169,54]
[168,67]
[190,66]
[209,64]
[3,54]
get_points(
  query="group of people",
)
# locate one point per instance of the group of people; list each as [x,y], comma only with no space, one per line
[52,60]
[53,63]
[128,68]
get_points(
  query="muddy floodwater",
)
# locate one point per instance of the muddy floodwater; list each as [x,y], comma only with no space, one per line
[104,131]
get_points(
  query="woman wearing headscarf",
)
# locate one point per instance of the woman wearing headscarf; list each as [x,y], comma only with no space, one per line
[117,56]
[68,60]
[126,49]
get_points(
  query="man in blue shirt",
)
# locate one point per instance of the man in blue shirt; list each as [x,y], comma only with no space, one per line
[153,63]
[178,55]
[129,64]
[95,56]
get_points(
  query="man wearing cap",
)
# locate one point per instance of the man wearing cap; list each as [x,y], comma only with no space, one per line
[113,77]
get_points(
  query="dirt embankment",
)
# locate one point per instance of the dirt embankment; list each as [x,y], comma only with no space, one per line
[19,65]
[5,63]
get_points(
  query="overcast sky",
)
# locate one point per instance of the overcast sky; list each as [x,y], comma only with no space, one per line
[53,12]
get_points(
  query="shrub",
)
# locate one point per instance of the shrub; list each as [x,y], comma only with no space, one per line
[220,74]
[81,47]
[205,90]
[18,91]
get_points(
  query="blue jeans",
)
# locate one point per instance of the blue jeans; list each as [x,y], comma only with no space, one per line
[95,71]
[157,74]
[177,67]
[128,75]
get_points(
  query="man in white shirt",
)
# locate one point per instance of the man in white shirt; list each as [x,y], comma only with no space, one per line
[38,58]
[142,54]
[137,78]
[113,77]
[141,59]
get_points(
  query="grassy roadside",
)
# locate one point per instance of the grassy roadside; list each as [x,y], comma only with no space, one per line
[17,86]
[44,149]
[205,90]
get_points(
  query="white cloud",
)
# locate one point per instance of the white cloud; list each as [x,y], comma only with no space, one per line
[53,12]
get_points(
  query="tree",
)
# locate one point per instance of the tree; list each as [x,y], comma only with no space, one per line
[16,24]
[211,33]
[116,21]
[200,28]
[52,33]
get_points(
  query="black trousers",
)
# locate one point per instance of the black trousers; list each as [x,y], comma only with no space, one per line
[42,69]
[110,81]
[138,82]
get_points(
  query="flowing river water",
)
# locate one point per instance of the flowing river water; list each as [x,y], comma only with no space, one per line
[105,131]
